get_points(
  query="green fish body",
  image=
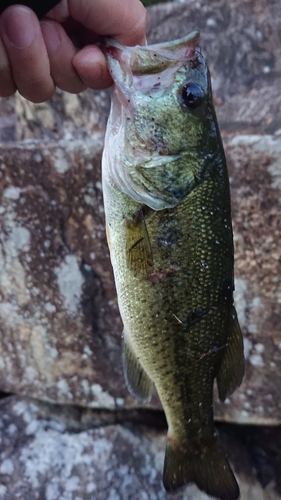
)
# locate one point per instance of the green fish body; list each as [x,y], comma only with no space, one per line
[167,206]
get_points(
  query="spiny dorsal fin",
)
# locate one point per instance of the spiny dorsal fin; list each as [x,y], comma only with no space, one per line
[137,380]
[138,248]
[231,371]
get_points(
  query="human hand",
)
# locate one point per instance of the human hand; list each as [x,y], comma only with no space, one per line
[60,49]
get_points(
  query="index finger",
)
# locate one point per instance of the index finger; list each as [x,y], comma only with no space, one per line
[125,20]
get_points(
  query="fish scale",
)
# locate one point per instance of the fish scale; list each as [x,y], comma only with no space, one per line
[155,306]
[170,236]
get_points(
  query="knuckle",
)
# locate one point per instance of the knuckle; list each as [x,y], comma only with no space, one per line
[69,83]
[7,84]
[7,92]
[74,88]
[36,94]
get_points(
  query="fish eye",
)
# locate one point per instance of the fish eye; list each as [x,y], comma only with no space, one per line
[192,95]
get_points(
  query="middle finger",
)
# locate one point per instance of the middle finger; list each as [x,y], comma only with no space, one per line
[61,52]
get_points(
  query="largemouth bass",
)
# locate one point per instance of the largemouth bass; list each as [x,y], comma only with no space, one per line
[167,206]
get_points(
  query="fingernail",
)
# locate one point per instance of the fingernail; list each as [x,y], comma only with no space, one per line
[90,65]
[90,61]
[19,27]
[51,35]
[89,71]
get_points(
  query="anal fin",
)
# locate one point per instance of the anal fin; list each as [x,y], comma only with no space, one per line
[137,380]
[231,371]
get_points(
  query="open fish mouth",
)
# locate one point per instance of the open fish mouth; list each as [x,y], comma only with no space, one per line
[183,49]
[140,66]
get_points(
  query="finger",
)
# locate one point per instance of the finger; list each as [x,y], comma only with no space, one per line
[91,66]
[125,20]
[61,51]
[7,84]
[27,53]
[60,12]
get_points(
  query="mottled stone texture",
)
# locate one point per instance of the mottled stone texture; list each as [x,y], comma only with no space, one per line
[242,43]
[56,283]
[255,172]
[60,331]
[50,455]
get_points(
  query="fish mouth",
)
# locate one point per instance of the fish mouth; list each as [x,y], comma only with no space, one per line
[147,67]
[151,59]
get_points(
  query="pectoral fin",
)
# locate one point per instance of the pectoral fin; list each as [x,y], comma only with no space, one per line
[137,380]
[138,248]
[231,371]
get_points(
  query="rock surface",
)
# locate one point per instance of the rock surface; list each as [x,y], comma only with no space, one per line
[48,454]
[60,328]
[242,44]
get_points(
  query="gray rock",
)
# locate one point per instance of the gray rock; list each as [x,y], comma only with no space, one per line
[60,327]
[46,455]
[255,175]
[241,41]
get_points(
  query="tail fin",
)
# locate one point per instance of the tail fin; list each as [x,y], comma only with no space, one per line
[209,470]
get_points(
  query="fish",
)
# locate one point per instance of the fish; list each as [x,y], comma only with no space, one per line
[169,230]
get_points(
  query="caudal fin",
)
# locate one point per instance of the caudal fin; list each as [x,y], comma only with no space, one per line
[209,470]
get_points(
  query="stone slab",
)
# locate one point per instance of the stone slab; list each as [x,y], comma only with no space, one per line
[60,330]
[53,453]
